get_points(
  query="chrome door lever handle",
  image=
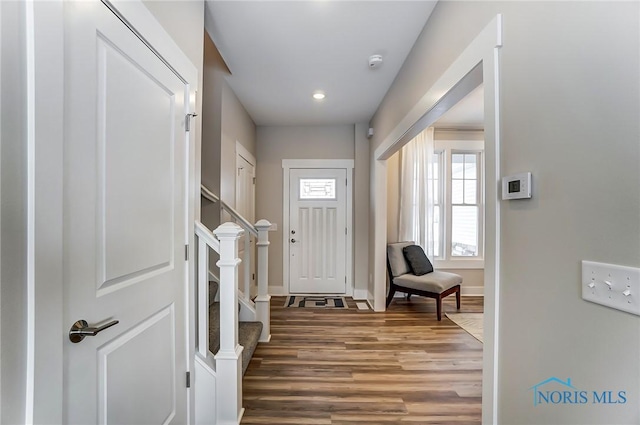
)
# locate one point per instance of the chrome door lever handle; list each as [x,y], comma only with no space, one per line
[81,329]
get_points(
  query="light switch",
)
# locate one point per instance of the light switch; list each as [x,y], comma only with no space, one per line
[611,285]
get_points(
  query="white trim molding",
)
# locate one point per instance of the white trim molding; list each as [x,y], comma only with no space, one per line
[287,165]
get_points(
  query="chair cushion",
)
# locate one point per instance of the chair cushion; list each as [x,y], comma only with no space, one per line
[437,281]
[418,261]
[398,263]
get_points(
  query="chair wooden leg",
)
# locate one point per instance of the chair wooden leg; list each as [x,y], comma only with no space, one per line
[439,307]
[390,296]
[458,298]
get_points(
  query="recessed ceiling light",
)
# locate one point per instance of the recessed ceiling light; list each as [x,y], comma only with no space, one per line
[318,95]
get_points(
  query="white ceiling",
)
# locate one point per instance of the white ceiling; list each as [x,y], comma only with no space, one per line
[466,114]
[280,52]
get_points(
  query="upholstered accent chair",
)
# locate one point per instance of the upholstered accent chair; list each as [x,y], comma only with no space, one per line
[436,284]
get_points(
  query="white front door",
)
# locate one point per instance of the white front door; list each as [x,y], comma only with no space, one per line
[317,231]
[124,225]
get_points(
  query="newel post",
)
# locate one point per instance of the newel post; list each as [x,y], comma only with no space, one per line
[263,300]
[229,357]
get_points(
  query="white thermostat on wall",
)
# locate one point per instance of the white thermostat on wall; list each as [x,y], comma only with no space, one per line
[517,186]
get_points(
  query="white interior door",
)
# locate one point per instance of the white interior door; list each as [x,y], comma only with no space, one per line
[317,231]
[245,188]
[245,205]
[124,225]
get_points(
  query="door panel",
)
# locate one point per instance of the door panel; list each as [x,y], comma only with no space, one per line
[135,169]
[115,373]
[124,224]
[317,233]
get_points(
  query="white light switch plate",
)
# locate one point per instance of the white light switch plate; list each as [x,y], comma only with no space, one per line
[614,286]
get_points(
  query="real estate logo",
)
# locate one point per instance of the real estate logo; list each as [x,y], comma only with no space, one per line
[556,391]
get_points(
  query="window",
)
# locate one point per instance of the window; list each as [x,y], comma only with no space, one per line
[436,180]
[317,188]
[458,208]
[464,204]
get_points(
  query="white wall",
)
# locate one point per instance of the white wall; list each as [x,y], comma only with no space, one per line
[277,143]
[13,210]
[570,105]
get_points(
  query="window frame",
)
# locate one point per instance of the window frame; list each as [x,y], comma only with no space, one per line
[447,148]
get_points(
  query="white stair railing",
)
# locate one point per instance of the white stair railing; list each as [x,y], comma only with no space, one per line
[250,231]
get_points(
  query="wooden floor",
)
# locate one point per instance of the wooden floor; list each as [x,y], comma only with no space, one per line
[332,366]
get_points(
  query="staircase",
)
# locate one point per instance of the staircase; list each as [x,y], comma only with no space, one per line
[248,332]
[229,322]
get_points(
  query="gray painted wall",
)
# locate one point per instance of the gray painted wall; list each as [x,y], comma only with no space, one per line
[13,210]
[277,143]
[213,81]
[570,107]
[237,125]
[224,121]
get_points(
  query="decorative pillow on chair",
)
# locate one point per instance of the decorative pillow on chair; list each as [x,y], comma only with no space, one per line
[418,261]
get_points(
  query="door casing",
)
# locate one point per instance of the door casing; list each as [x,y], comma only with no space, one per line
[287,165]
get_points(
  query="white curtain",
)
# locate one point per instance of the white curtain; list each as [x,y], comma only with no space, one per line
[416,191]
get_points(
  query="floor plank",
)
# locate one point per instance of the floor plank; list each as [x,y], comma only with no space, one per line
[341,367]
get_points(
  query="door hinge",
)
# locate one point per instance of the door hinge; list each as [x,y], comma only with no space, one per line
[254,180]
[345,279]
[253,276]
[186,253]
[345,231]
[188,379]
[187,121]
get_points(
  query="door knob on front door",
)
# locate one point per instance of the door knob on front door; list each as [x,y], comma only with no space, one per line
[293,241]
[81,329]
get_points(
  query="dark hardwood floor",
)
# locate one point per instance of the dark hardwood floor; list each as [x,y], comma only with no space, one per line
[332,366]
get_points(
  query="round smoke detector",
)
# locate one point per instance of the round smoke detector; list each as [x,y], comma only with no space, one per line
[375,61]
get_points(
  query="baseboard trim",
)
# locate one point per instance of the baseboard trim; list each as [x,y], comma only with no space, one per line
[472,291]
[360,294]
[277,290]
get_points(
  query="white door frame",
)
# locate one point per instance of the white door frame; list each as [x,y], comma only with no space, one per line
[287,165]
[484,50]
[45,119]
